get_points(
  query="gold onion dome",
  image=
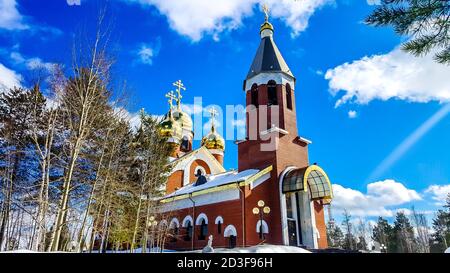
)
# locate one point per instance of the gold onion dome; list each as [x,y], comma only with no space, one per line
[213,141]
[183,119]
[169,127]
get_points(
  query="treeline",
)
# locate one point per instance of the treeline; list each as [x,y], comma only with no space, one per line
[74,174]
[408,234]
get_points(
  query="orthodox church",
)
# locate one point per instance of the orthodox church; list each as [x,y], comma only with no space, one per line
[275,196]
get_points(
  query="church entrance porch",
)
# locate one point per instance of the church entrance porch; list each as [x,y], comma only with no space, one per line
[299,189]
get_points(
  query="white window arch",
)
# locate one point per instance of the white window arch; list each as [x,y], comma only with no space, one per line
[174,223]
[265,227]
[218,219]
[201,169]
[187,219]
[201,216]
[230,230]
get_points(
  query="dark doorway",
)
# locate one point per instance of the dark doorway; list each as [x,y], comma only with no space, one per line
[292,230]
[232,241]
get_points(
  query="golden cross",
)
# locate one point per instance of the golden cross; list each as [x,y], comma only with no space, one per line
[180,86]
[171,96]
[266,11]
[213,113]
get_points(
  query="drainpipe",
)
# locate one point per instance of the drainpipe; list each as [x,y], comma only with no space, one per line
[242,193]
[193,221]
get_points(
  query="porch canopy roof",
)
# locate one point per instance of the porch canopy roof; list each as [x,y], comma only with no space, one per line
[312,179]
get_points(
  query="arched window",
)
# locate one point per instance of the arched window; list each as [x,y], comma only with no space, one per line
[272,93]
[203,230]
[185,144]
[187,225]
[175,229]
[288,96]
[219,222]
[254,95]
[202,221]
[188,228]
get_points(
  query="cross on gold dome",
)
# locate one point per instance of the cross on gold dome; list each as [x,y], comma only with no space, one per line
[171,96]
[265,9]
[213,113]
[180,86]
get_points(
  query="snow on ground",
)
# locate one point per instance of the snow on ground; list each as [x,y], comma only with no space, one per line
[28,251]
[261,249]
[19,251]
[254,249]
[447,250]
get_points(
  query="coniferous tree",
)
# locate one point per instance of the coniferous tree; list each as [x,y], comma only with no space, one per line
[426,22]
[335,236]
[403,234]
[383,234]
[441,235]
[16,159]
[440,238]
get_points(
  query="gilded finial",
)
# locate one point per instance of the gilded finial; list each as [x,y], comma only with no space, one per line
[213,113]
[266,25]
[180,86]
[213,140]
[171,96]
[266,10]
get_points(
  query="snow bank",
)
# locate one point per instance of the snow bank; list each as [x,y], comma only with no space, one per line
[447,250]
[19,251]
[29,251]
[254,249]
[261,249]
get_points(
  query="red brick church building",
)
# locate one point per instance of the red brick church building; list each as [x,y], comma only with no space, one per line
[275,196]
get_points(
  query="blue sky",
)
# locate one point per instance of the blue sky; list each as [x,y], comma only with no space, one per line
[358,96]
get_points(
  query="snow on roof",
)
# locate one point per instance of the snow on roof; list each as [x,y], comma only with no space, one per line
[215,181]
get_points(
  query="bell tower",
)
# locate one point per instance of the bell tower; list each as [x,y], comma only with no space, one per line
[271,137]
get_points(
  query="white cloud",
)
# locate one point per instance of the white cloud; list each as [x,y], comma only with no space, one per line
[37,63]
[10,17]
[8,78]
[146,55]
[74,2]
[31,63]
[439,193]
[352,114]
[381,196]
[195,18]
[148,51]
[396,74]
